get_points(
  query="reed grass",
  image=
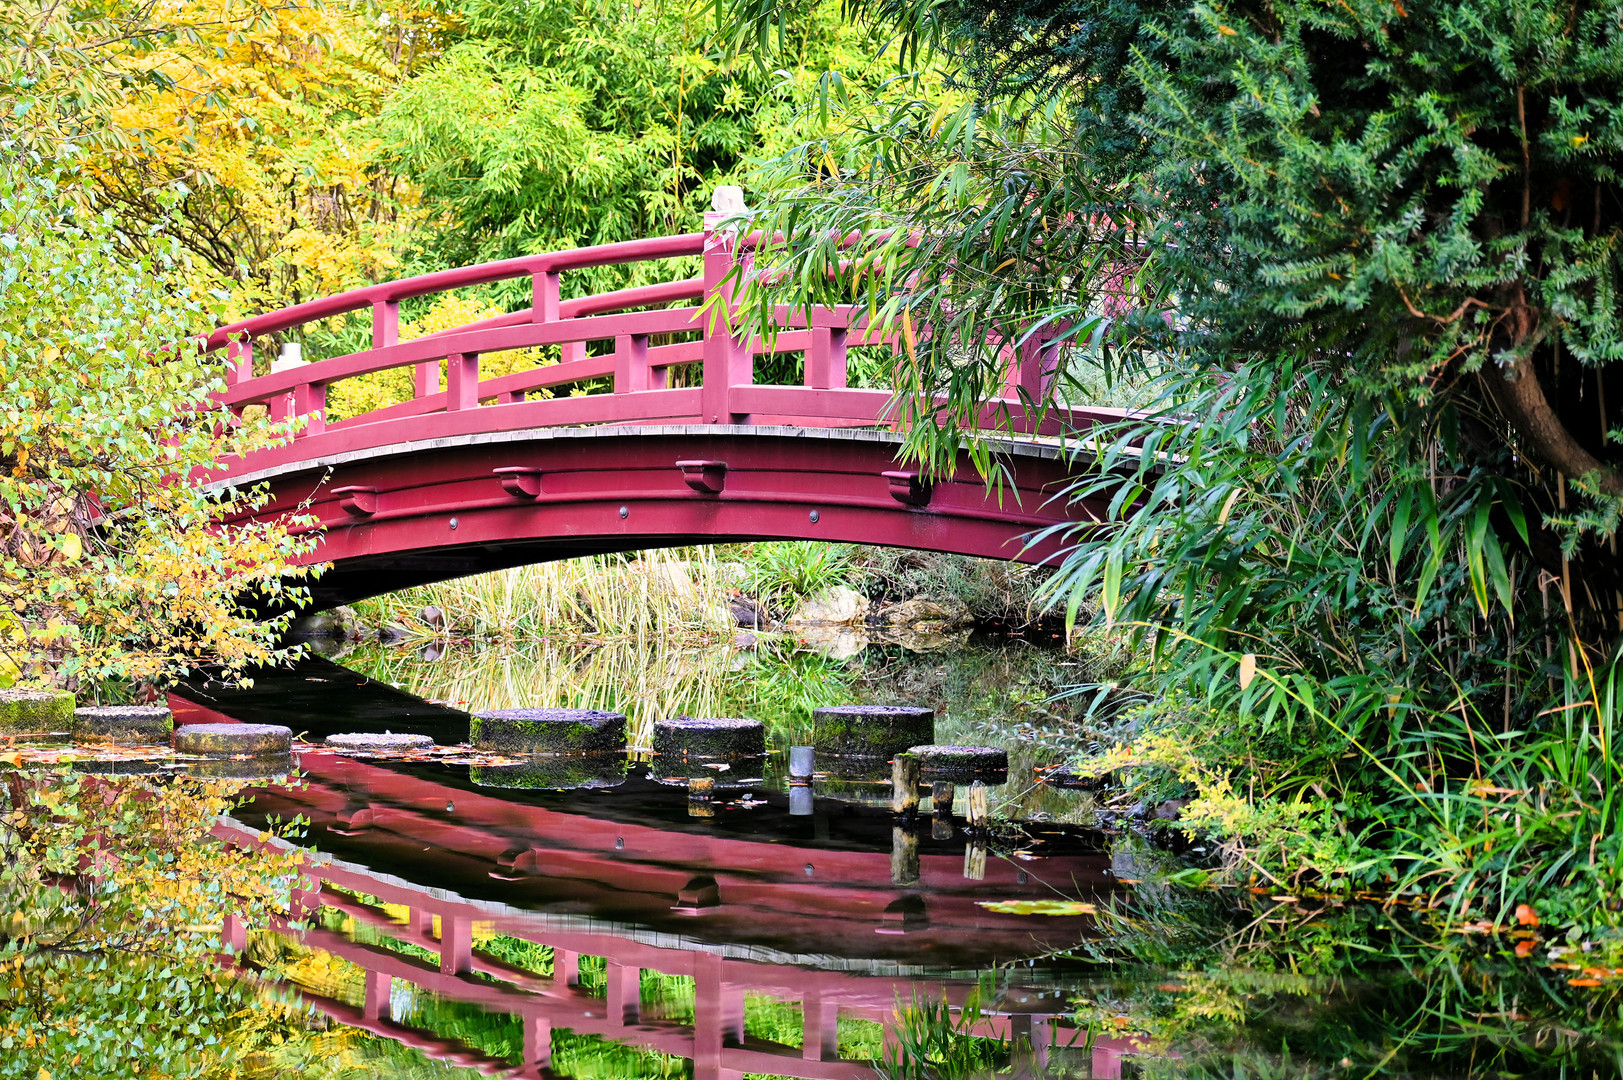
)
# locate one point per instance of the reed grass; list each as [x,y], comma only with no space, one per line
[656,594]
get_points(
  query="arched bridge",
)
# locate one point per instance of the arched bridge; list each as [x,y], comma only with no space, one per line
[650,425]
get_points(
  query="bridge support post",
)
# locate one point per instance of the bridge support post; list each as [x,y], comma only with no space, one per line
[718,1017]
[727,360]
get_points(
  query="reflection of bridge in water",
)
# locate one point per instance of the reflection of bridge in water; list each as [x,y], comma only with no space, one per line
[839,912]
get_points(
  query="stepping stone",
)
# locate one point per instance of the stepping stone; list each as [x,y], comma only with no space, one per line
[559,772]
[40,713]
[988,764]
[686,737]
[123,725]
[264,767]
[548,731]
[879,731]
[386,743]
[224,740]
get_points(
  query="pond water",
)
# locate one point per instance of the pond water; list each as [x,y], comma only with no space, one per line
[467,924]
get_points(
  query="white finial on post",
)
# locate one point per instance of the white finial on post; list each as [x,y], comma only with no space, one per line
[728,199]
[290,356]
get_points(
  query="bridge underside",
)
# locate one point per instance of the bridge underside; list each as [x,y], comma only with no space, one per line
[413,513]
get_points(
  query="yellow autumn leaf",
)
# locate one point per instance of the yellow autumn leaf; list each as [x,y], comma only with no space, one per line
[1248,669]
[73,548]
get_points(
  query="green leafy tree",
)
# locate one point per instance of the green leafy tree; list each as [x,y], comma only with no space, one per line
[115,561]
[1361,261]
[556,124]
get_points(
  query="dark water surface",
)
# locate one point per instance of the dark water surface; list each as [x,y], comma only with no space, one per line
[621,929]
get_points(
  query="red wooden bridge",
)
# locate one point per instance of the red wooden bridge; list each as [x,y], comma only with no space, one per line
[650,429]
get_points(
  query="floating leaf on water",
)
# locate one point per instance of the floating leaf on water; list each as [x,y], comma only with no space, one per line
[1038,907]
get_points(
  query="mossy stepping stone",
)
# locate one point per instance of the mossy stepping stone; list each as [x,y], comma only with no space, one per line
[684,737]
[263,767]
[36,712]
[548,731]
[379,743]
[225,740]
[988,764]
[123,725]
[879,731]
[553,772]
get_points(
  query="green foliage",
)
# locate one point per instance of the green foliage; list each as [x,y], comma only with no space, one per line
[784,573]
[557,124]
[111,566]
[1360,261]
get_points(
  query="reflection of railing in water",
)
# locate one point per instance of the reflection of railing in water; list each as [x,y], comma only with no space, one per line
[777,895]
[502,843]
[715,1041]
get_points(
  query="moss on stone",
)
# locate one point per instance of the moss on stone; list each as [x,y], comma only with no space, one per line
[714,738]
[553,772]
[988,764]
[123,725]
[40,713]
[548,731]
[877,731]
[222,740]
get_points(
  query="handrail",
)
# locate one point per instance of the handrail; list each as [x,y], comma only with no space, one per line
[392,292]
[649,336]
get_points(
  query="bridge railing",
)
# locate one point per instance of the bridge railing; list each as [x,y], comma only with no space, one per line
[642,335]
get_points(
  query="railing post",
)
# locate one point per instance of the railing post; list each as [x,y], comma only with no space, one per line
[462,381]
[239,361]
[727,360]
[630,363]
[565,967]
[623,993]
[544,296]
[385,323]
[820,1030]
[537,1041]
[310,401]
[1035,370]
[825,359]
[426,378]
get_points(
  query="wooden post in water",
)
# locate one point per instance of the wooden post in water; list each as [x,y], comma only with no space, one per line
[978,815]
[941,795]
[975,862]
[904,785]
[904,856]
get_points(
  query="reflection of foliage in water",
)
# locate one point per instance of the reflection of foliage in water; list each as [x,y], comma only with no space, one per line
[1240,983]
[114,895]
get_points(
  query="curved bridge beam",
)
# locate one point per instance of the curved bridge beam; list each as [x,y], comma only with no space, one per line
[417,512]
